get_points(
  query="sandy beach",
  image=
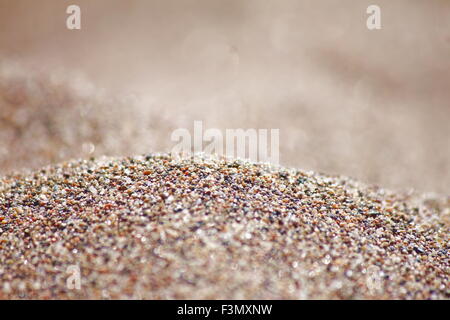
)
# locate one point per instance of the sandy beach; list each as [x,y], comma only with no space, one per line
[152,227]
[93,205]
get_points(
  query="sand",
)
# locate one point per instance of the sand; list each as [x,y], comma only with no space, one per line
[373,105]
[155,227]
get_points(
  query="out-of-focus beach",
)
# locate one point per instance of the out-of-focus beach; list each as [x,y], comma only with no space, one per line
[348,102]
[374,105]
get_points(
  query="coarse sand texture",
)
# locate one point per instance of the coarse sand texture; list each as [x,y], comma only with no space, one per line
[155,227]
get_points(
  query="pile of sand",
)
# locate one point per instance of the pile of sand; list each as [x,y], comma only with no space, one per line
[159,228]
[46,118]
[49,117]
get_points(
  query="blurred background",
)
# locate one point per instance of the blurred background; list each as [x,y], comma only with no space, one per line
[374,105]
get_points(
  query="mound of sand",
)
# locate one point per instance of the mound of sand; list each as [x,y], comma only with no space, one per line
[47,118]
[157,227]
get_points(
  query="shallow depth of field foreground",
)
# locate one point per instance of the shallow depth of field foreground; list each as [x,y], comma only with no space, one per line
[159,228]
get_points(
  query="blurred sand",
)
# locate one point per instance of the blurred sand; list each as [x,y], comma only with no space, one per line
[374,105]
